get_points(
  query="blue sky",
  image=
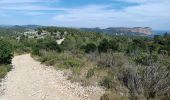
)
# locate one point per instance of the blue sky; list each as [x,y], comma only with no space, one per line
[87,13]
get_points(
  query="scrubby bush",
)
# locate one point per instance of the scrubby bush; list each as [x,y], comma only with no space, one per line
[112,96]
[69,43]
[4,69]
[48,44]
[106,60]
[48,57]
[90,73]
[145,59]
[35,50]
[155,81]
[90,47]
[73,63]
[5,52]
[104,45]
[107,96]
[150,81]
[113,53]
[107,82]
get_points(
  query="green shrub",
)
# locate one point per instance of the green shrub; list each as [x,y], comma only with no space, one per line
[47,44]
[90,73]
[143,81]
[73,63]
[90,47]
[106,45]
[4,69]
[35,50]
[76,70]
[49,57]
[106,60]
[3,72]
[105,97]
[5,52]
[145,59]
[107,82]
[110,96]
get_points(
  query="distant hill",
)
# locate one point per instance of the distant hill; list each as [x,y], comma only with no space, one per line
[31,26]
[122,30]
[20,26]
[10,30]
[139,31]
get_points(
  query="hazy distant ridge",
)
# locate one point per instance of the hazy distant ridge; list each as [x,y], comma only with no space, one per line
[110,30]
[122,30]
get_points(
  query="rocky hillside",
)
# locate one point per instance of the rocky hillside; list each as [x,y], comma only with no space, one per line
[122,30]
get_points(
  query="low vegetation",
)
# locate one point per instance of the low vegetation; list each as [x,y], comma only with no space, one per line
[5,57]
[128,67]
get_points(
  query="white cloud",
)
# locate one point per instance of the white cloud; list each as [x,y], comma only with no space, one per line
[34,13]
[151,10]
[154,15]
[143,1]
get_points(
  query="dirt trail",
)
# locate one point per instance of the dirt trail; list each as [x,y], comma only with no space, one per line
[30,80]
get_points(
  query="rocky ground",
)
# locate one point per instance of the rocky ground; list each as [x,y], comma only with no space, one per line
[30,80]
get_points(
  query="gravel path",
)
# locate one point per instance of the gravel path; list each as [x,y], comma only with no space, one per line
[30,80]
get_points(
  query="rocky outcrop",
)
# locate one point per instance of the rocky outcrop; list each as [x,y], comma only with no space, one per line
[145,30]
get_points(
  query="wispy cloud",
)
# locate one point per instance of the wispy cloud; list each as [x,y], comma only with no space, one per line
[25,1]
[152,13]
[33,13]
[148,14]
[143,1]
[29,7]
